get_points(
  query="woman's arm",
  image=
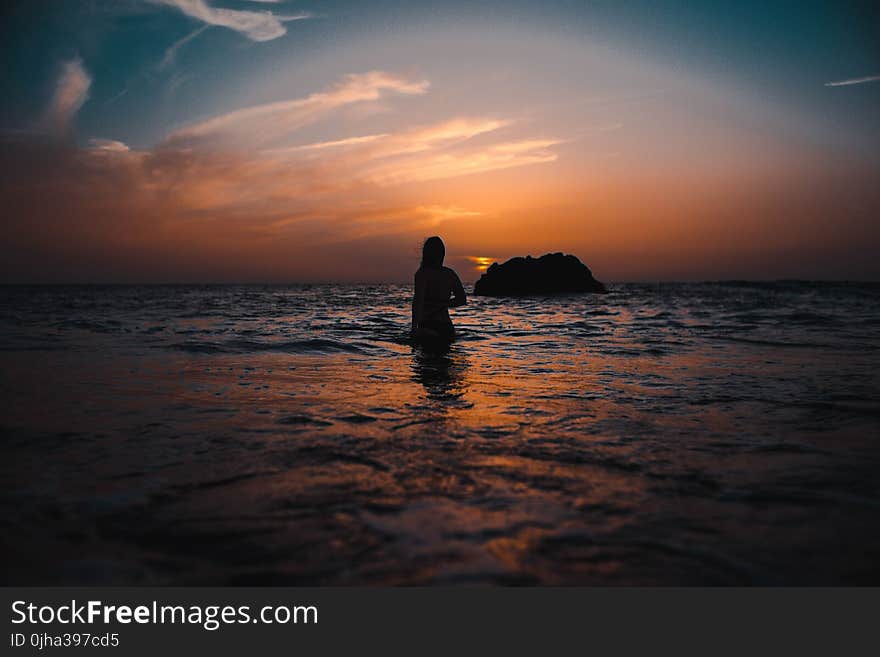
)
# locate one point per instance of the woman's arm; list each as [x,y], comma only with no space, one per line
[459,298]
[418,302]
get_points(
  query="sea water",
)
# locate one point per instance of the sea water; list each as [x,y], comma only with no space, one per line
[722,433]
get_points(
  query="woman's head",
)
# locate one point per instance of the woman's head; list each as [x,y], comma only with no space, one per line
[433,252]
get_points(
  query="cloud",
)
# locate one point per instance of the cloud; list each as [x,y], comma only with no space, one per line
[222,191]
[337,143]
[473,161]
[846,83]
[229,163]
[108,146]
[431,152]
[116,96]
[446,132]
[261,124]
[437,214]
[71,91]
[410,141]
[171,53]
[177,80]
[255,25]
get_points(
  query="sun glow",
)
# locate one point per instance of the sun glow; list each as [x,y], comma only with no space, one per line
[481,263]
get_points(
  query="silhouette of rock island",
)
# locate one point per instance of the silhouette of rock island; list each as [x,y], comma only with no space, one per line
[553,273]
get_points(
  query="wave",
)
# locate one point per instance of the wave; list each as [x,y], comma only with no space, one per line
[767,342]
[238,346]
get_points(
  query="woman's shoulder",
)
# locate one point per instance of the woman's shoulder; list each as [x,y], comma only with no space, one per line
[436,273]
[426,274]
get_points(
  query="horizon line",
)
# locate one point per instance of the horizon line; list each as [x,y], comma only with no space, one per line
[696,281]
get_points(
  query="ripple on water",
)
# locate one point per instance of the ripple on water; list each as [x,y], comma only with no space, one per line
[673,433]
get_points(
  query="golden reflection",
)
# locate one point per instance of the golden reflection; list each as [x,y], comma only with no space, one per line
[442,371]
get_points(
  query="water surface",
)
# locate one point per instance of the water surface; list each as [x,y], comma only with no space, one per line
[660,434]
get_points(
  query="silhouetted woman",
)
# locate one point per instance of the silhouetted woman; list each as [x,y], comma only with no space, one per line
[437,288]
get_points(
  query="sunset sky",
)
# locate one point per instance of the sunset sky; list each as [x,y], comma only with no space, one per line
[302,140]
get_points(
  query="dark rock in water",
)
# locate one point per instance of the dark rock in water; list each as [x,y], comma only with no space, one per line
[553,273]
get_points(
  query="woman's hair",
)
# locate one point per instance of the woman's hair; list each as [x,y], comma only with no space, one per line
[433,252]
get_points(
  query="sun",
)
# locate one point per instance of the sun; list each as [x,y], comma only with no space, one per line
[481,263]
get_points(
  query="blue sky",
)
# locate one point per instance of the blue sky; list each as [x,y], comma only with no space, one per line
[787,50]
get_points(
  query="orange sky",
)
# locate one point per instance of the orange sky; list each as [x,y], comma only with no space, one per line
[643,171]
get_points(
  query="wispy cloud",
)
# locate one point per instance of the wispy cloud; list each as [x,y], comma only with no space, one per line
[171,52]
[176,81]
[239,159]
[336,143]
[71,91]
[472,161]
[261,124]
[255,25]
[408,141]
[439,213]
[222,190]
[107,146]
[846,83]
[447,132]
[116,96]
[233,162]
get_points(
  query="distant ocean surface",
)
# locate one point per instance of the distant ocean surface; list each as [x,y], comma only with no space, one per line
[722,433]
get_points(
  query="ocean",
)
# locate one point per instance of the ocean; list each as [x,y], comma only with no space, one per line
[707,434]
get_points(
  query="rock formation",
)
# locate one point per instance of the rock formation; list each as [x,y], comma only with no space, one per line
[553,273]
